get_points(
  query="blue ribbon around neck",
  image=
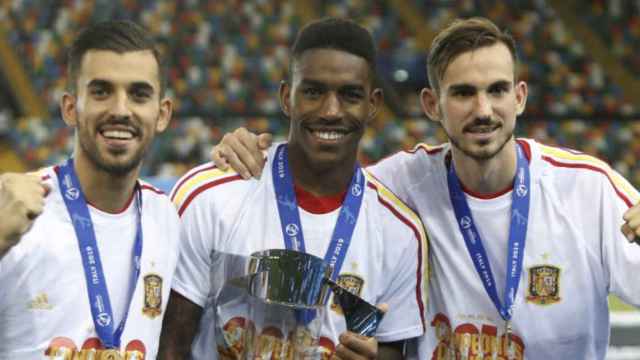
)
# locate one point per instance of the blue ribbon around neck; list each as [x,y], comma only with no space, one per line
[290,215]
[517,234]
[99,301]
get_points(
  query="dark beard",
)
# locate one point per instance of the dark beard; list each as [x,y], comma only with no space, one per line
[483,156]
[113,169]
[92,153]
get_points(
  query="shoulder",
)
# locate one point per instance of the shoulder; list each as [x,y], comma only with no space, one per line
[572,169]
[201,181]
[405,170]
[395,214]
[420,153]
[154,199]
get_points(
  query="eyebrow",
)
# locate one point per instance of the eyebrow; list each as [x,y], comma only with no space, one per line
[98,83]
[141,85]
[468,87]
[321,84]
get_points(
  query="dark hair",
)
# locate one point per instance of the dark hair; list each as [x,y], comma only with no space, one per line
[461,36]
[119,36]
[337,34]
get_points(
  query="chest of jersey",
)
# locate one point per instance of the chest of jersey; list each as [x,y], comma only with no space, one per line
[48,311]
[560,281]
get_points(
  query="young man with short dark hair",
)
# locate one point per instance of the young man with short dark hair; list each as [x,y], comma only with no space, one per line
[91,277]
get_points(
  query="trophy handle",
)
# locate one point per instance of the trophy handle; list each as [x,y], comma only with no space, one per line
[362,317]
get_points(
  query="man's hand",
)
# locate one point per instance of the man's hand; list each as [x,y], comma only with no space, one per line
[354,346]
[358,347]
[21,201]
[631,227]
[242,151]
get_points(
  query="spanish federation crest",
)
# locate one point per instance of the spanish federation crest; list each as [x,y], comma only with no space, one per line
[152,295]
[544,285]
[353,283]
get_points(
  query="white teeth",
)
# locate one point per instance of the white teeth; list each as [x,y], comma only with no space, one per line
[117,134]
[329,135]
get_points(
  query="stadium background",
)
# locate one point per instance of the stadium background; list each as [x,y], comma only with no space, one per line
[581,60]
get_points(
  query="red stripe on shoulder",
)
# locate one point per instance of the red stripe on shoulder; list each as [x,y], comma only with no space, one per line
[153,189]
[416,232]
[186,178]
[45,177]
[526,148]
[412,151]
[432,151]
[557,163]
[204,187]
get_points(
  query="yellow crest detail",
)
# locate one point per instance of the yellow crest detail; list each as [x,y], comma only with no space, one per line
[544,285]
[152,295]
[353,283]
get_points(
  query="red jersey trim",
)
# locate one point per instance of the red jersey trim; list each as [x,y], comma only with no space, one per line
[186,178]
[152,188]
[431,151]
[204,187]
[485,196]
[526,148]
[124,208]
[557,163]
[416,232]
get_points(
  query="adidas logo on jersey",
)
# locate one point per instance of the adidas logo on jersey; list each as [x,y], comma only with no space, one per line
[40,302]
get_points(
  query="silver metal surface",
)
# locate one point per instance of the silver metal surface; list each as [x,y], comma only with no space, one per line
[281,289]
[289,278]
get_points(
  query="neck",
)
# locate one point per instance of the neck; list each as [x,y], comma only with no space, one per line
[103,190]
[486,176]
[320,179]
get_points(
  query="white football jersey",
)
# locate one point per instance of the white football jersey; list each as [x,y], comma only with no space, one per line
[44,304]
[575,255]
[385,262]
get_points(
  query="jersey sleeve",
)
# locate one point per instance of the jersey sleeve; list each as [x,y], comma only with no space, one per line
[192,276]
[620,257]
[405,262]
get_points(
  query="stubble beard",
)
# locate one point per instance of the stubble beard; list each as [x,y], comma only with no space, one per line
[480,156]
[118,169]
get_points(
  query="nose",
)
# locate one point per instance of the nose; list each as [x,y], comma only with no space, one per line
[332,107]
[121,106]
[483,106]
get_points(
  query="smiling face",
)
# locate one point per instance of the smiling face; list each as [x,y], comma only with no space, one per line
[116,109]
[329,102]
[478,101]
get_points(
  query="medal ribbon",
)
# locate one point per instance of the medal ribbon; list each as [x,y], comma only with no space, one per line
[517,234]
[290,215]
[101,311]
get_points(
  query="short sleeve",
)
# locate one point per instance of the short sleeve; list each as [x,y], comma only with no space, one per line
[405,289]
[196,244]
[621,258]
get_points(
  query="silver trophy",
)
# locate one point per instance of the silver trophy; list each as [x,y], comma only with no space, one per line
[271,305]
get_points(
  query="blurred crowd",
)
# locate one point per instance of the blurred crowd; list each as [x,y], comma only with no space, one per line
[226,59]
[621,18]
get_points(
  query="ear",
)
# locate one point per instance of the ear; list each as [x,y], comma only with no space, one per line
[521,96]
[375,101]
[285,97]
[68,108]
[429,102]
[164,116]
